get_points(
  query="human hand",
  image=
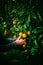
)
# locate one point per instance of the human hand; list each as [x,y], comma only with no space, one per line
[20,42]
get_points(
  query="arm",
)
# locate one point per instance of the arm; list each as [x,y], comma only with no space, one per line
[11,43]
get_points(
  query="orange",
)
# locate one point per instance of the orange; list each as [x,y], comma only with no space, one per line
[14,36]
[28,33]
[14,22]
[21,39]
[24,46]
[4,22]
[24,35]
[21,34]
[25,42]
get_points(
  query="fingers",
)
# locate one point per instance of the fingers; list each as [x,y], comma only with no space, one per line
[24,40]
[20,41]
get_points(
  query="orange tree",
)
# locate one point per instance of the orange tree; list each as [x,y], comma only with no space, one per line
[23,18]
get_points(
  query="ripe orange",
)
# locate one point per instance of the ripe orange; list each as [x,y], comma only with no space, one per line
[14,22]
[28,33]
[14,36]
[4,22]
[24,35]
[21,39]
[25,42]
[21,34]
[24,46]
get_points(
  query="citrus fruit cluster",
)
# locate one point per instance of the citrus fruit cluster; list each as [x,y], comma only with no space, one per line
[22,34]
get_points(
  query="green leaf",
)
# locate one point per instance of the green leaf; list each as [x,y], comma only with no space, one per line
[16,29]
[25,26]
[33,15]
[34,50]
[39,16]
[29,18]
[20,13]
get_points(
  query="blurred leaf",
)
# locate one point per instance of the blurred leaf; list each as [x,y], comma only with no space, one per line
[39,16]
[35,42]
[21,12]
[37,30]
[25,26]
[34,50]
[29,18]
[16,29]
[33,15]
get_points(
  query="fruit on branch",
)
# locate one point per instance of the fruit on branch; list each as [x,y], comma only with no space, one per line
[14,22]
[25,42]
[14,36]
[24,35]
[4,22]
[21,39]
[21,34]
[28,33]
[24,46]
